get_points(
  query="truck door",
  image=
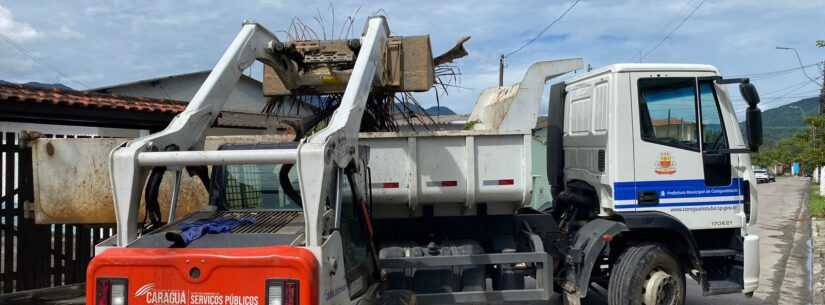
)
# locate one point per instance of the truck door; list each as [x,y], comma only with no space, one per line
[681,165]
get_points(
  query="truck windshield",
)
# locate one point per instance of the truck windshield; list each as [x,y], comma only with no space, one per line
[252,187]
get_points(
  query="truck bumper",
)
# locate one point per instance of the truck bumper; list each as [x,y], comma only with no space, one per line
[750,275]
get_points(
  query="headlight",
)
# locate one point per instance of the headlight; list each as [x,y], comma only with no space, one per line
[111,291]
[281,292]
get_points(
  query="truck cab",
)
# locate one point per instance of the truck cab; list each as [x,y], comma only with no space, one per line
[659,148]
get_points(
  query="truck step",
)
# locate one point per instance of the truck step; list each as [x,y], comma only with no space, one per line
[718,252]
[723,287]
[735,255]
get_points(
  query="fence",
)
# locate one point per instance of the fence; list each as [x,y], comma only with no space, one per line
[32,255]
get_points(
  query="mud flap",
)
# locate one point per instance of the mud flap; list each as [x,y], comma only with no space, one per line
[589,243]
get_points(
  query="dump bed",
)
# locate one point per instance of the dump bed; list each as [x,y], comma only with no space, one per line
[453,172]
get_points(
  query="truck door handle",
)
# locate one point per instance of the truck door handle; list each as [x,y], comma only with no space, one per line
[647,198]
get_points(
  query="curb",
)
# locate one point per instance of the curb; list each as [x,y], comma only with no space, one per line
[818,260]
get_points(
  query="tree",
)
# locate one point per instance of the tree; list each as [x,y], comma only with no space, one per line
[820,43]
[797,148]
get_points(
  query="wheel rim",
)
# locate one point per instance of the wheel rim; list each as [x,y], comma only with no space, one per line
[659,288]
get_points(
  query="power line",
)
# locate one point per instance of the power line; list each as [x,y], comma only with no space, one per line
[672,31]
[26,52]
[776,100]
[792,87]
[527,43]
[799,60]
[768,74]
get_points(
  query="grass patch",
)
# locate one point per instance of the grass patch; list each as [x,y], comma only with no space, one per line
[817,202]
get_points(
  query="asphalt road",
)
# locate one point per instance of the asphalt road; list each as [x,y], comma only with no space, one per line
[785,253]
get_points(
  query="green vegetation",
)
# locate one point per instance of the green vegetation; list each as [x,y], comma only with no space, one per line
[799,147]
[820,43]
[817,202]
[787,120]
[468,125]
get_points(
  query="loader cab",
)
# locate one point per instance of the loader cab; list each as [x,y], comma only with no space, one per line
[354,224]
[255,186]
[262,187]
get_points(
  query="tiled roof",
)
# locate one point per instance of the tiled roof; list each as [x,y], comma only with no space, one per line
[671,121]
[32,95]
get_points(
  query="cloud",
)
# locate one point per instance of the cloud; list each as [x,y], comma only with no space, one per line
[16,31]
[126,40]
[185,18]
[15,65]
[271,3]
[67,33]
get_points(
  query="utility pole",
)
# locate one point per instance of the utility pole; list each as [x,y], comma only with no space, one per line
[822,92]
[501,71]
[813,140]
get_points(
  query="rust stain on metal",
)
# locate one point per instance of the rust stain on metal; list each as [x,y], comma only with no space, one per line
[71,180]
[50,149]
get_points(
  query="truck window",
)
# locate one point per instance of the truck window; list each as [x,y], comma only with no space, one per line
[713,130]
[255,186]
[667,109]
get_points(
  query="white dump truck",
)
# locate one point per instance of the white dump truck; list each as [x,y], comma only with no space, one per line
[649,173]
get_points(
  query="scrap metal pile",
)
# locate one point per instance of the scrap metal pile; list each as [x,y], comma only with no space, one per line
[320,69]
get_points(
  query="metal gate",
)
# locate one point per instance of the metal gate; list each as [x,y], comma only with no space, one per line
[31,255]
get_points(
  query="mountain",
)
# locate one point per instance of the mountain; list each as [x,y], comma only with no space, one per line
[786,120]
[412,107]
[39,85]
[48,86]
[439,110]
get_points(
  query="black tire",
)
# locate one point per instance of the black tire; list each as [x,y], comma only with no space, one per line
[634,268]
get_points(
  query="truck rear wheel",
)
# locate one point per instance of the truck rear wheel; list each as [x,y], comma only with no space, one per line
[646,275]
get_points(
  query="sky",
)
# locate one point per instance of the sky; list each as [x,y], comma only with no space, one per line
[93,43]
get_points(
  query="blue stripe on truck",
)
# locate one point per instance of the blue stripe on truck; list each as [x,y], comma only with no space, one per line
[668,189]
[679,204]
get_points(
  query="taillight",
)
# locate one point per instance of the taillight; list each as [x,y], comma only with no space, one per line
[111,291]
[281,292]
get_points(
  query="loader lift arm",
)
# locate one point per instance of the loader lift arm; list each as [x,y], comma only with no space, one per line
[181,143]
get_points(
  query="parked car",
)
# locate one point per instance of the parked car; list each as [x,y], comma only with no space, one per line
[762,175]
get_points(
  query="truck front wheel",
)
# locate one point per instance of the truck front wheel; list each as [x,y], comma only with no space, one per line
[646,275]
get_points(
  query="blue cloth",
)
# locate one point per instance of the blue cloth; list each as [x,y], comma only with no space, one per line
[197,229]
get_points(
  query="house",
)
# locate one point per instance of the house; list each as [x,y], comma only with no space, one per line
[246,98]
[676,128]
[59,112]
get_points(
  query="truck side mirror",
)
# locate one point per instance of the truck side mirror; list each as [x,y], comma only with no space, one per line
[753,115]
